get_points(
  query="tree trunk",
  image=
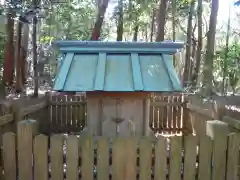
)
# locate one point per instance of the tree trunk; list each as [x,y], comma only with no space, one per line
[207,88]
[8,64]
[99,20]
[152,24]
[120,21]
[34,44]
[193,55]
[161,20]
[226,52]
[199,47]
[186,73]
[24,49]
[136,30]
[174,27]
[19,84]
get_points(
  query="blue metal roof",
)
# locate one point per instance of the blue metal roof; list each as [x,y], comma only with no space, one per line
[117,66]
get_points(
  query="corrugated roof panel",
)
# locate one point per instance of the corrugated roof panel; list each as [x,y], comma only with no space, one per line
[118,75]
[172,72]
[154,73]
[82,73]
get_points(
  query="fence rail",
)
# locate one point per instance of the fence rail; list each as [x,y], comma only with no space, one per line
[174,158]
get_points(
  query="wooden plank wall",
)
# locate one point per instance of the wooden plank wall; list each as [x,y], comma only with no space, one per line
[67,113]
[166,114]
[73,158]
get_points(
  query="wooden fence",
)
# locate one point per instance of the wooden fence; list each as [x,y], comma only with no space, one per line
[67,114]
[167,114]
[73,158]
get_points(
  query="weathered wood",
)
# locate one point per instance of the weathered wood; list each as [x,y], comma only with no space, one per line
[201,110]
[56,156]
[40,157]
[167,103]
[131,159]
[190,149]
[175,158]
[233,157]
[232,122]
[218,131]
[145,159]
[25,132]
[72,158]
[9,156]
[102,159]
[118,159]
[6,119]
[33,108]
[147,130]
[205,158]
[87,158]
[67,103]
[160,159]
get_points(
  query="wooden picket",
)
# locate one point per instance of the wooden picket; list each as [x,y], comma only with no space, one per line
[88,158]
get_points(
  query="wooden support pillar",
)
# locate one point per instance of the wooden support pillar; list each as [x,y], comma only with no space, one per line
[216,128]
[218,132]
[147,131]
[26,130]
[187,121]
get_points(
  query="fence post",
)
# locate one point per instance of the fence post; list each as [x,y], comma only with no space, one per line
[216,128]
[218,131]
[187,124]
[17,113]
[26,130]
[48,115]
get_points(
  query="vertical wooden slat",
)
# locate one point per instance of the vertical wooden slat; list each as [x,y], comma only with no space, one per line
[73,115]
[41,157]
[25,131]
[64,114]
[179,114]
[87,158]
[102,159]
[151,115]
[174,114]
[56,153]
[175,158]
[160,159]
[60,114]
[85,112]
[190,149]
[233,156]
[118,159]
[72,158]
[219,157]
[145,159]
[54,114]
[69,119]
[164,116]
[169,114]
[79,109]
[156,117]
[205,158]
[131,159]
[9,156]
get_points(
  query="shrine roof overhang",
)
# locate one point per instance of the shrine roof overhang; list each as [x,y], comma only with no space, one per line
[117,66]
